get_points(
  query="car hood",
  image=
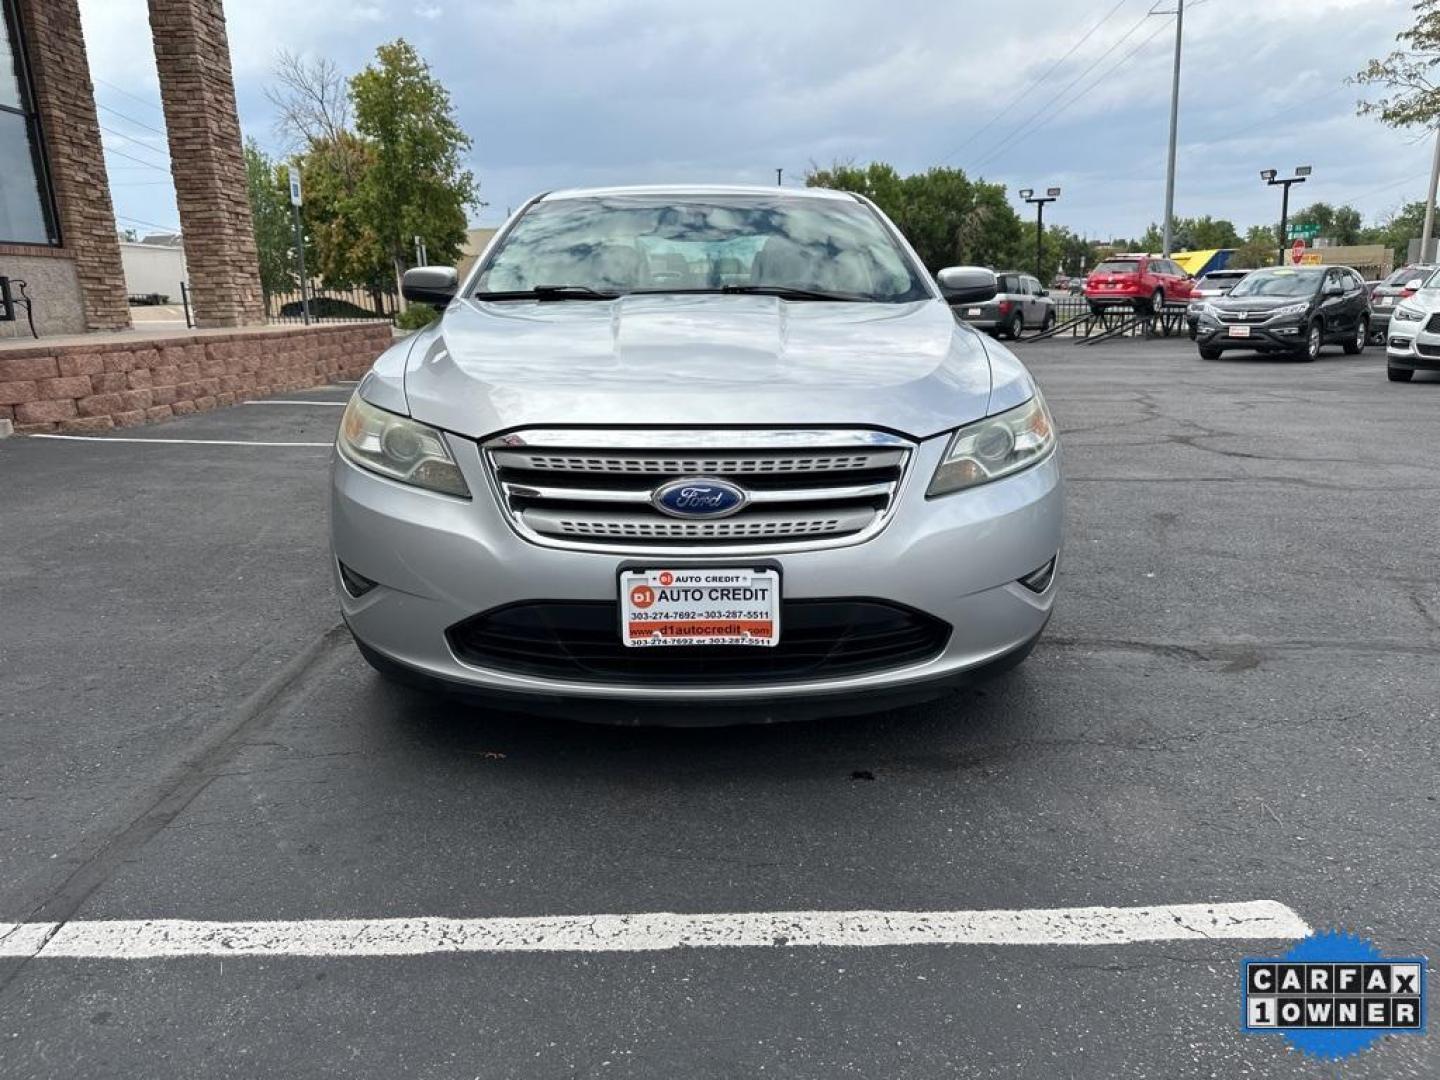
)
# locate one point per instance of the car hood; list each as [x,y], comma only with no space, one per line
[701,360]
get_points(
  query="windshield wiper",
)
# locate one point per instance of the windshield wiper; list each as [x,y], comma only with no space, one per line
[549,292]
[784,292]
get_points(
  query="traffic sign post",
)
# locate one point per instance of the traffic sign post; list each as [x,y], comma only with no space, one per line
[295,201]
[1297,252]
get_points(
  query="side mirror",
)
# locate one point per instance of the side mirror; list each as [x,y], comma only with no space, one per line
[967,284]
[1415,283]
[1044,292]
[434,285]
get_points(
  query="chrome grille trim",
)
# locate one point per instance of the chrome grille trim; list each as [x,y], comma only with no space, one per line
[592,490]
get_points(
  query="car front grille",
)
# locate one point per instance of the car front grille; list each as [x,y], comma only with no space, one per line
[593,489]
[580,641]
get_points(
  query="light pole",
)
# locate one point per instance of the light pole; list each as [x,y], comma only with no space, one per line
[1174,127]
[1273,178]
[1039,201]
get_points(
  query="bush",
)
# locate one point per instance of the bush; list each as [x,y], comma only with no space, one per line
[416,317]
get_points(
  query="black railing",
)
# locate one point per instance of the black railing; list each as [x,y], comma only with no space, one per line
[332,305]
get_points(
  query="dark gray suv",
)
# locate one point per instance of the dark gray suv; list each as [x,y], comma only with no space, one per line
[1296,310]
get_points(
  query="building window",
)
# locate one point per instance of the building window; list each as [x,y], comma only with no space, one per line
[27,213]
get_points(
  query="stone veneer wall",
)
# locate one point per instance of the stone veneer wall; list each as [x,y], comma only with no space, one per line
[94,387]
[192,57]
[65,100]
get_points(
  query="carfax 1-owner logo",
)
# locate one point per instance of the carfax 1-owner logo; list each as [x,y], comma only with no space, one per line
[1333,995]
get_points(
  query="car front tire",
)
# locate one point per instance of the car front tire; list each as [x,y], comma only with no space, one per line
[1399,374]
[1209,352]
[1356,345]
[1314,341]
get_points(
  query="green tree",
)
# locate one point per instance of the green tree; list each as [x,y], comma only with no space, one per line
[1259,249]
[1407,75]
[948,218]
[270,211]
[415,183]
[344,249]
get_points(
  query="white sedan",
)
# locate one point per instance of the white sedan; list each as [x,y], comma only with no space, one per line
[1412,342]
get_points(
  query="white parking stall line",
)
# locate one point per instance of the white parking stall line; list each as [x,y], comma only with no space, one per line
[330,404]
[174,442]
[140,939]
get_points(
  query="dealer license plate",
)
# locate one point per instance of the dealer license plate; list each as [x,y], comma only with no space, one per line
[1239,331]
[700,606]
[972,313]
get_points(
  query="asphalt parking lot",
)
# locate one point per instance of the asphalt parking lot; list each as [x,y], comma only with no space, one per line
[1237,700]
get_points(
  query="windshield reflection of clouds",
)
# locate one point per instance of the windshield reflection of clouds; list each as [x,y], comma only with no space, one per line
[625,243]
[1279,283]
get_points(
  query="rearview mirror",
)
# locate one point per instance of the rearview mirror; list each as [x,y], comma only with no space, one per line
[967,284]
[434,285]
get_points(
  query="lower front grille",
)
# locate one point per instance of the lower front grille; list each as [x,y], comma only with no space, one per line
[580,641]
[1425,349]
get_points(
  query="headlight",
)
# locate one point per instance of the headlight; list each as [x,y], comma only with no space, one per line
[398,447]
[994,447]
[1405,314]
[1289,309]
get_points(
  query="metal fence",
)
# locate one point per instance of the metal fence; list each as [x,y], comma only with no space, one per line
[332,305]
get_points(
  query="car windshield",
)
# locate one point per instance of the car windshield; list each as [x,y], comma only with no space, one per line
[1218,281]
[1405,275]
[1279,283]
[1118,266]
[641,243]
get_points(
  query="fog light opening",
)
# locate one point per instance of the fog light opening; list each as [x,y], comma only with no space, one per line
[357,585]
[1037,581]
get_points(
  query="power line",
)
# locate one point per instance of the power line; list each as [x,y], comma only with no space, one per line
[1046,117]
[1040,112]
[128,157]
[1035,83]
[130,119]
[149,224]
[126,93]
[138,142]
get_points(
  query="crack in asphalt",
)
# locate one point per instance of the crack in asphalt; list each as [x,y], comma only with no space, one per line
[169,796]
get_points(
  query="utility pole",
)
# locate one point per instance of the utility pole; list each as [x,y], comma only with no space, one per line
[295,200]
[1174,129]
[1273,178]
[778,174]
[1039,201]
[1429,231]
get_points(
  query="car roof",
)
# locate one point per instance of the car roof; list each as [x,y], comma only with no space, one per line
[688,190]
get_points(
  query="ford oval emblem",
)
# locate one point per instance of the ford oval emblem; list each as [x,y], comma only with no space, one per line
[699,497]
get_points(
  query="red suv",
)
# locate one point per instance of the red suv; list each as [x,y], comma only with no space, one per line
[1144,282]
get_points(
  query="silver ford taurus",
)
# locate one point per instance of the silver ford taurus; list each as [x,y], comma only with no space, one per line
[684,454]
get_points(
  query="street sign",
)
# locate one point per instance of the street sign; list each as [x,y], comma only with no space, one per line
[1297,252]
[294,185]
[1302,232]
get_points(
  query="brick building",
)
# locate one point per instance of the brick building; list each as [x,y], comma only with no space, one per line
[57,234]
[57,223]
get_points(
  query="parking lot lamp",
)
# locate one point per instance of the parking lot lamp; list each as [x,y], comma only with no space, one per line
[1273,178]
[1039,201]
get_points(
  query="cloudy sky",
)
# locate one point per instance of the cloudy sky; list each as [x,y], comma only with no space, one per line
[564,92]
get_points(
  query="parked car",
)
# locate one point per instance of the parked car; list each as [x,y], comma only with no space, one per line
[1144,282]
[1295,310]
[329,307]
[1019,305]
[1412,341]
[1401,284]
[1207,287]
[583,492]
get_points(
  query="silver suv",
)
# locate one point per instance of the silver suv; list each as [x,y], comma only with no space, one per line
[1020,304]
[680,454]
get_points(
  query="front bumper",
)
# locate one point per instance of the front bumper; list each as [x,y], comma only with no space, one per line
[439,561]
[1280,335]
[1412,348]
